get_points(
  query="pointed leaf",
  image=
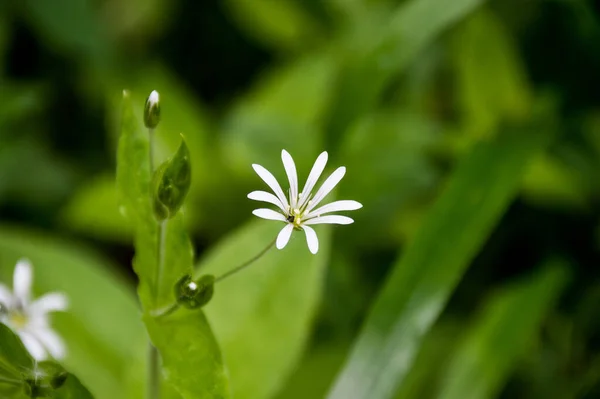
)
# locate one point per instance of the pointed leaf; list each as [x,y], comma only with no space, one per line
[15,361]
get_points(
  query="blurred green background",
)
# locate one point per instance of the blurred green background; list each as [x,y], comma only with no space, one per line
[400,92]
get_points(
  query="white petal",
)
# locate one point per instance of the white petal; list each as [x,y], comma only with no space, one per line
[33,346]
[326,188]
[269,214]
[336,206]
[52,302]
[284,236]
[6,297]
[313,176]
[271,182]
[311,239]
[22,280]
[290,170]
[330,219]
[266,197]
[52,342]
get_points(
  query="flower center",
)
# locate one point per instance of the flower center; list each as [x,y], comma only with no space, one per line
[17,319]
[295,217]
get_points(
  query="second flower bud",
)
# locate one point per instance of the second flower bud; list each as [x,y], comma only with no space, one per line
[171,183]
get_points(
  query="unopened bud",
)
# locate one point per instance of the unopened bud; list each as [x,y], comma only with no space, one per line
[171,183]
[194,294]
[152,110]
[47,377]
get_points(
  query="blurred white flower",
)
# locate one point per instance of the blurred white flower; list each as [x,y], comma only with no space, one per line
[29,318]
[300,211]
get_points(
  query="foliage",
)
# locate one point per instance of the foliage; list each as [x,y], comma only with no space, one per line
[471,270]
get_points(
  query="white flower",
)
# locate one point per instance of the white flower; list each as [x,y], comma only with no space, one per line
[300,211]
[29,318]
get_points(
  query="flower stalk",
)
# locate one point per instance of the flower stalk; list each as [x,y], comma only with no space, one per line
[151,120]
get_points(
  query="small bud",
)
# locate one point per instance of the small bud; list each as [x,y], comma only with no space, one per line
[47,377]
[194,294]
[171,183]
[152,110]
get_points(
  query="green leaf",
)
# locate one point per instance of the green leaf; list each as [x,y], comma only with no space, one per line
[194,368]
[14,358]
[102,328]
[262,316]
[389,41]
[417,289]
[282,24]
[133,183]
[171,183]
[501,335]
[193,357]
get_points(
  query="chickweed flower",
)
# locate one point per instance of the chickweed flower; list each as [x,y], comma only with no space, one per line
[29,318]
[299,212]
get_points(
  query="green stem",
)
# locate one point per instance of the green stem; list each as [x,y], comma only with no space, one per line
[8,380]
[153,373]
[151,140]
[246,264]
[154,366]
[160,256]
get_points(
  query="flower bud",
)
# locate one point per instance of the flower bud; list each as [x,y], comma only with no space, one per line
[171,183]
[47,377]
[152,110]
[194,294]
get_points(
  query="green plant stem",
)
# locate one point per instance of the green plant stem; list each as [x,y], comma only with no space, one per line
[154,366]
[160,256]
[151,155]
[10,381]
[246,264]
[153,373]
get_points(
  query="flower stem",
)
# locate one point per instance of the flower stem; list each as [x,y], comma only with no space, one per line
[160,257]
[12,381]
[153,363]
[153,373]
[245,264]
[151,140]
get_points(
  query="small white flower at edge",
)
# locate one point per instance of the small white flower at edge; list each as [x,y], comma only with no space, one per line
[29,318]
[300,211]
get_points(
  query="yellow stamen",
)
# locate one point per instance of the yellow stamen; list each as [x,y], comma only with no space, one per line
[18,319]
